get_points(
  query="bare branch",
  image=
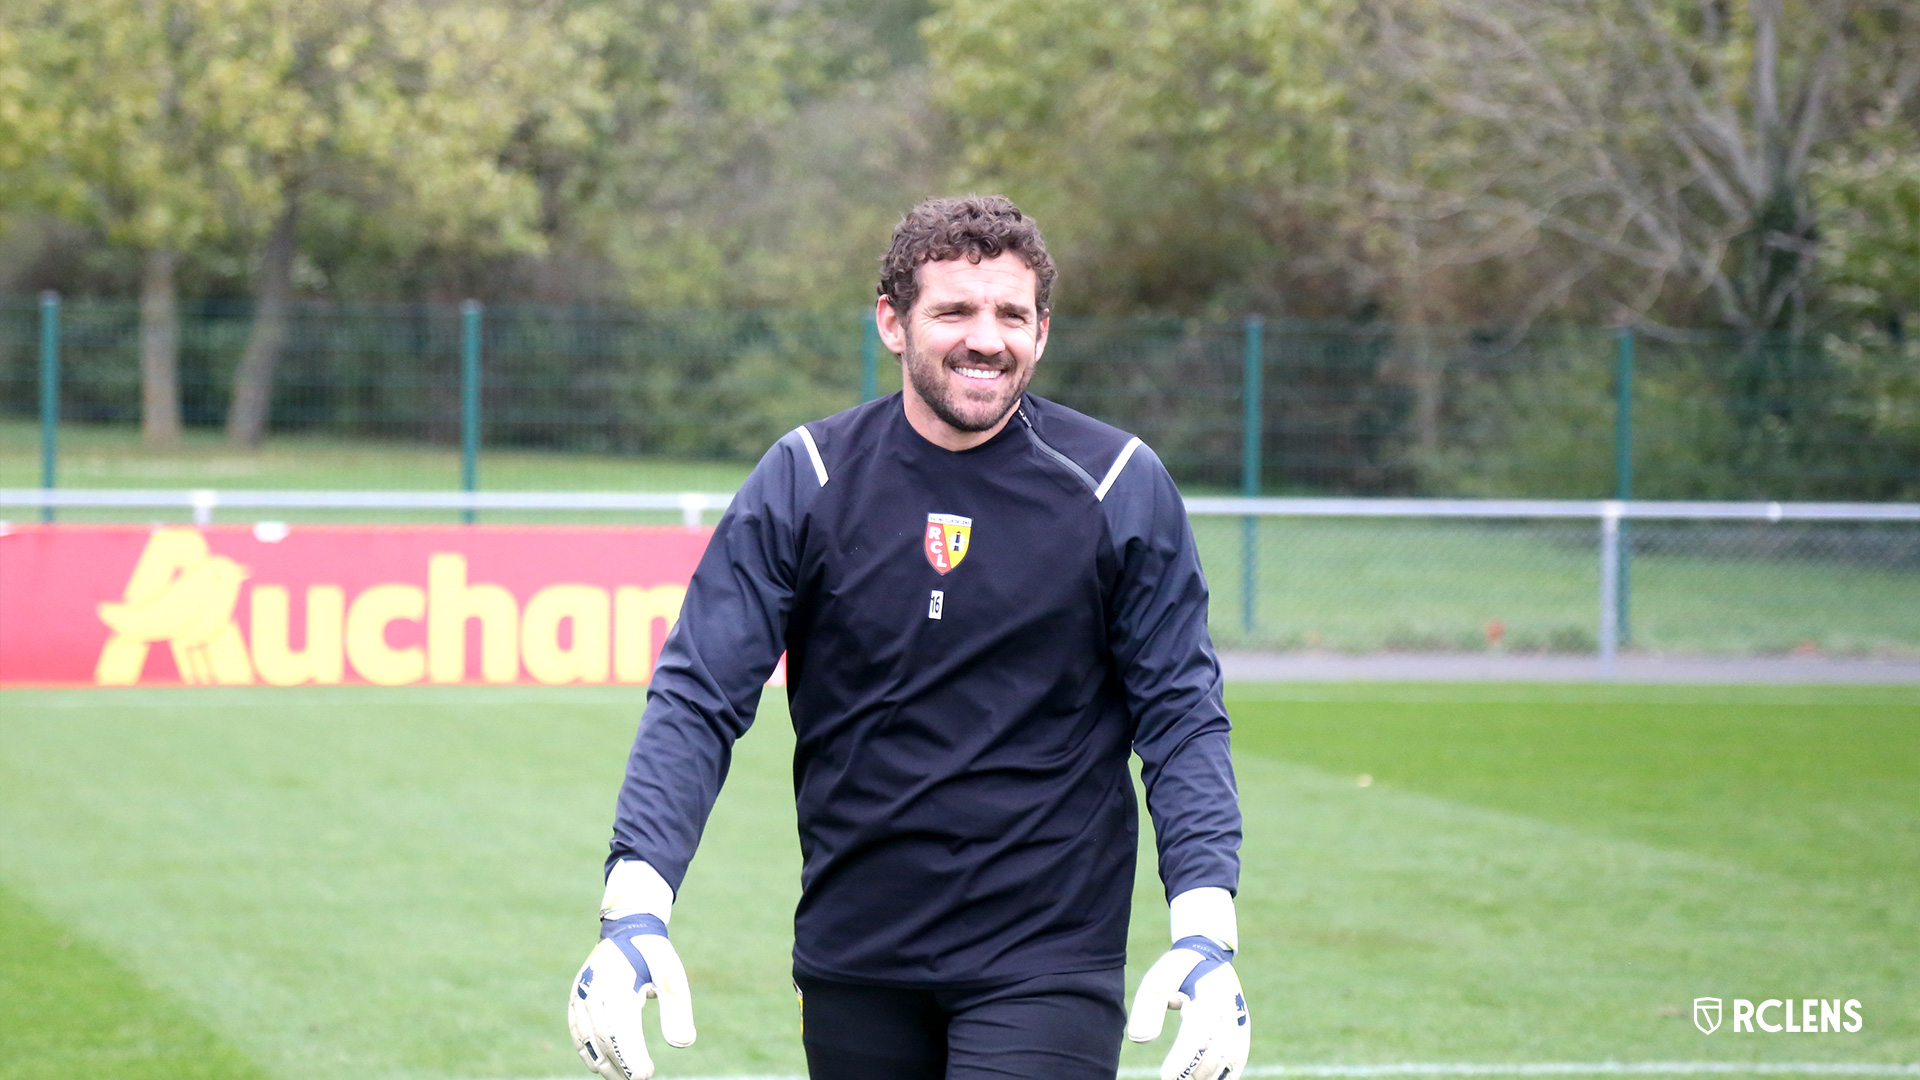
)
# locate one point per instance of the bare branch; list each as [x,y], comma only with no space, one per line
[1813,106]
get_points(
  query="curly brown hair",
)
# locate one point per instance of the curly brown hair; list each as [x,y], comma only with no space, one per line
[973,227]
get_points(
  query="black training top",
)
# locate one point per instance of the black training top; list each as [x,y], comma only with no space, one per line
[974,640]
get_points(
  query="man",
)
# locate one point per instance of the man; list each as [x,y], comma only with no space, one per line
[986,600]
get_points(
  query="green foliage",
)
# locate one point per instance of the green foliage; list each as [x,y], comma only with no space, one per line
[1529,416]
[1712,419]
[1168,148]
[1443,163]
[1881,401]
[766,392]
[693,384]
[116,116]
[1871,240]
[1175,381]
[756,152]
[1318,158]
[171,124]
[1535,418]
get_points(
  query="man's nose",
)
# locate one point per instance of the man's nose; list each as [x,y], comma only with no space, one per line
[984,336]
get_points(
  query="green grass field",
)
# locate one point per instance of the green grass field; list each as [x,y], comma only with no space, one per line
[1352,586]
[360,883]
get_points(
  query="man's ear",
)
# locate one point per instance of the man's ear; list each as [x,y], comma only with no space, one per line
[1040,339]
[893,329]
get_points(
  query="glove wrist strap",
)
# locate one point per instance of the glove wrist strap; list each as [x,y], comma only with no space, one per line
[1212,958]
[632,926]
[1206,947]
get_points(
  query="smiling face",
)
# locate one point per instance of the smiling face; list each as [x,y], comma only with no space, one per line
[968,347]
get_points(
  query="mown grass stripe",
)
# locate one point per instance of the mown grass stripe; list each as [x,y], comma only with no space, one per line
[67,1009]
[1582,1068]
[1522,1068]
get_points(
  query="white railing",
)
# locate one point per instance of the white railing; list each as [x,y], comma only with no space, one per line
[1608,513]
[203,501]
[1594,509]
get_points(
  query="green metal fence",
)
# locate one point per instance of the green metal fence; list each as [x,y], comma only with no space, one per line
[1346,409]
[550,398]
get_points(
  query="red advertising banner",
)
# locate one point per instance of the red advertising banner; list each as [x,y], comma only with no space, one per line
[298,605]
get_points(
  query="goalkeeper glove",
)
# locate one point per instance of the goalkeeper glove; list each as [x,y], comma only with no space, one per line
[633,962]
[1196,977]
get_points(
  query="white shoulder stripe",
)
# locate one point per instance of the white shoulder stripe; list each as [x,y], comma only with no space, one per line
[1113,473]
[813,451]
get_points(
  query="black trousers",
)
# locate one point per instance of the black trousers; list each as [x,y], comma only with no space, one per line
[1057,1027]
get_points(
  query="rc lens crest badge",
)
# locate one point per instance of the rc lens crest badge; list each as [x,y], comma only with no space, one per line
[949,537]
[1706,1014]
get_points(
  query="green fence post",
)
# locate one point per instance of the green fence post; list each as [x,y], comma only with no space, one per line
[1251,424]
[870,360]
[1623,470]
[49,393]
[469,400]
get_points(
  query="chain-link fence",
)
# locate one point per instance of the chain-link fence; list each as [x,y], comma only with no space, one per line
[691,385]
[1520,586]
[1347,409]
[578,399]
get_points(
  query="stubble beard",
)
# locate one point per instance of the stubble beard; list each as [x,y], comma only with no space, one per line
[929,379]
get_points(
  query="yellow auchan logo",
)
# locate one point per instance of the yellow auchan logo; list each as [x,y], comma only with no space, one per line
[183,596]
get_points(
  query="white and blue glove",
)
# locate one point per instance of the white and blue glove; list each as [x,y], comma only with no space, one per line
[633,962]
[1196,977]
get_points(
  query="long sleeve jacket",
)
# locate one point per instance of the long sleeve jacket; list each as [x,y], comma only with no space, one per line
[975,642]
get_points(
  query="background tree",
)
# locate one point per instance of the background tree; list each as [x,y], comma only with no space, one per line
[1185,156]
[1660,151]
[1685,163]
[114,116]
[171,124]
[758,151]
[420,115]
